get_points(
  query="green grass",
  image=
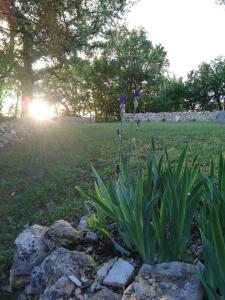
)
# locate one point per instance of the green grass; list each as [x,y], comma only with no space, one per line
[39,174]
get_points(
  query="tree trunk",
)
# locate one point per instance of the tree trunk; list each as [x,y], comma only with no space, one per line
[18,97]
[27,76]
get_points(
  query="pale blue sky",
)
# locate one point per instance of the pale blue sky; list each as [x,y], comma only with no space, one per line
[191,31]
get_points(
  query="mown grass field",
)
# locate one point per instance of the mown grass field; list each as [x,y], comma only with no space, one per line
[38,175]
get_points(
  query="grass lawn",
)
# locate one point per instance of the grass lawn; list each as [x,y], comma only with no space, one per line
[39,174]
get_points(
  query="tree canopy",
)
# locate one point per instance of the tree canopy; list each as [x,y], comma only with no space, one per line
[50,31]
[206,85]
[78,53]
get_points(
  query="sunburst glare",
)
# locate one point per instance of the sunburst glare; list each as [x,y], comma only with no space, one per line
[40,110]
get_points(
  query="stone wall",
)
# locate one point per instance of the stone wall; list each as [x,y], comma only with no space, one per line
[174,116]
[8,134]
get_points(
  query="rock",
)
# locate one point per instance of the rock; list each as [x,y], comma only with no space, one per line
[30,252]
[61,233]
[106,294]
[8,134]
[173,116]
[103,271]
[83,224]
[91,236]
[120,274]
[23,296]
[61,262]
[62,288]
[220,117]
[177,118]
[95,286]
[173,280]
[75,280]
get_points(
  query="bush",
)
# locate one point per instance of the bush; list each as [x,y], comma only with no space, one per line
[153,213]
[212,233]
[213,279]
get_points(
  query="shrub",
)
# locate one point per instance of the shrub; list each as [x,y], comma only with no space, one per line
[212,233]
[213,278]
[180,194]
[153,213]
[127,205]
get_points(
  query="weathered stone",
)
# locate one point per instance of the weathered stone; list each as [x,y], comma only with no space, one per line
[220,117]
[173,280]
[61,262]
[105,294]
[173,116]
[103,271]
[30,252]
[83,224]
[62,288]
[91,236]
[61,233]
[8,134]
[75,280]
[120,274]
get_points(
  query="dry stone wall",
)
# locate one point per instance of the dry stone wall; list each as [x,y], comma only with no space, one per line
[8,134]
[174,116]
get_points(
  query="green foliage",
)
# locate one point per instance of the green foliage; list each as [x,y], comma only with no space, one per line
[51,32]
[213,279]
[180,192]
[212,232]
[206,85]
[152,213]
[128,61]
[127,205]
[170,97]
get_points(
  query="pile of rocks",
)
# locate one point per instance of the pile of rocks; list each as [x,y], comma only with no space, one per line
[75,119]
[47,266]
[173,116]
[8,134]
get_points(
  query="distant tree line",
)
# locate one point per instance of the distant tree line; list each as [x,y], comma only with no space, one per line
[81,56]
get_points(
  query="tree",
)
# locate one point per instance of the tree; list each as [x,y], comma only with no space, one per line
[35,30]
[127,59]
[171,96]
[206,85]
[67,85]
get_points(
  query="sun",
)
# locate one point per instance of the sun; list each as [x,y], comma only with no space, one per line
[39,110]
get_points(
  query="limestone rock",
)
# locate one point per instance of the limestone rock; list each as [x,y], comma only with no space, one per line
[83,224]
[8,134]
[91,236]
[106,294]
[30,252]
[173,281]
[220,117]
[61,262]
[75,280]
[103,271]
[173,116]
[120,274]
[62,288]
[61,233]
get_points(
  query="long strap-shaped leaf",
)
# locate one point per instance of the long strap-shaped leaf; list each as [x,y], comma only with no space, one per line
[218,239]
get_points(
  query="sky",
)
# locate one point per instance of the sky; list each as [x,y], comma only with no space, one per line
[191,31]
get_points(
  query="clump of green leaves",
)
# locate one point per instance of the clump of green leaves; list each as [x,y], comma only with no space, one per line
[152,213]
[180,192]
[212,233]
[126,204]
[213,279]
